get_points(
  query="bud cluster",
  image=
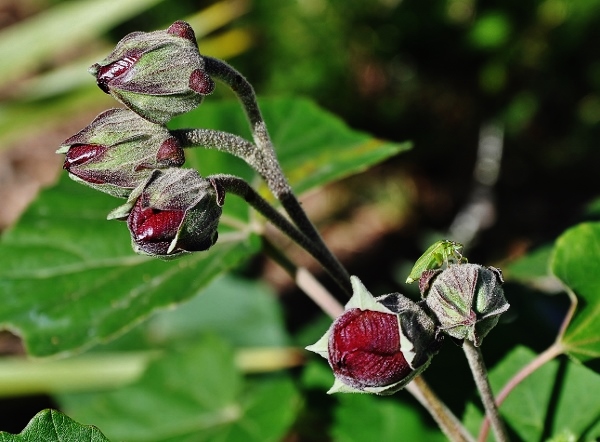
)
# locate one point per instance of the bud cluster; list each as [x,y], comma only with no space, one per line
[378,345]
[130,153]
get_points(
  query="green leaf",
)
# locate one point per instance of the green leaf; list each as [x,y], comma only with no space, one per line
[69,278]
[314,147]
[526,407]
[554,400]
[370,418]
[53,426]
[193,393]
[576,262]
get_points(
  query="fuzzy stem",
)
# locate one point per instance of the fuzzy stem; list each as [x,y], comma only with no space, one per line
[555,350]
[265,161]
[238,146]
[241,188]
[479,371]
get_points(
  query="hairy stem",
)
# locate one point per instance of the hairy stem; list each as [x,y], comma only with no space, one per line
[479,371]
[238,146]
[265,161]
[241,188]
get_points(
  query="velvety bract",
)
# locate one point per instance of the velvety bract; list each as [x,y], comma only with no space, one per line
[156,74]
[118,151]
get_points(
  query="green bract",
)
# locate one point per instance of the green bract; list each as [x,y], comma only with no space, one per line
[467,300]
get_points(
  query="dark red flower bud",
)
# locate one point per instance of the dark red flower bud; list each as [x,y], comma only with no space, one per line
[156,74]
[174,212]
[118,151]
[365,351]
[378,345]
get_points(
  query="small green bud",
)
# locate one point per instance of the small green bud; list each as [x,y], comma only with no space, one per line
[157,74]
[118,151]
[378,345]
[174,212]
[467,300]
[441,252]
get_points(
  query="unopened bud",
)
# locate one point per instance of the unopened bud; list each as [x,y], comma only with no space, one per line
[378,345]
[118,151]
[467,300]
[174,212]
[157,74]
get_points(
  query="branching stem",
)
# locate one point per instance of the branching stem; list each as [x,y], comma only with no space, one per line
[241,188]
[264,160]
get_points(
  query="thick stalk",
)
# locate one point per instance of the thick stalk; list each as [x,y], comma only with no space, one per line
[266,162]
[480,376]
[241,188]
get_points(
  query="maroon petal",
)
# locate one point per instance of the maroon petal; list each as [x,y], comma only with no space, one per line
[364,349]
[82,153]
[107,74]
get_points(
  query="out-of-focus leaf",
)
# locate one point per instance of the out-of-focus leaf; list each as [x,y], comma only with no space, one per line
[53,426]
[194,393]
[578,408]
[69,278]
[567,393]
[314,147]
[32,42]
[366,418]
[526,407]
[576,262]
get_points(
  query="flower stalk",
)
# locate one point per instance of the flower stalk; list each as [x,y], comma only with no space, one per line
[475,359]
[265,161]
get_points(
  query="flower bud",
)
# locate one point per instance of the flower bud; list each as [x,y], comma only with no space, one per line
[378,345]
[467,300]
[174,212]
[118,151]
[157,74]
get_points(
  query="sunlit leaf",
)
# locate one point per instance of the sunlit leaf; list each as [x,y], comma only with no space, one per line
[69,278]
[53,426]
[194,393]
[576,262]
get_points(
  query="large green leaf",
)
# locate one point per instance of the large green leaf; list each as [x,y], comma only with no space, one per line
[69,278]
[53,426]
[576,262]
[314,147]
[193,393]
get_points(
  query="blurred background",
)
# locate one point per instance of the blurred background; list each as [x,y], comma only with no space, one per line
[501,100]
